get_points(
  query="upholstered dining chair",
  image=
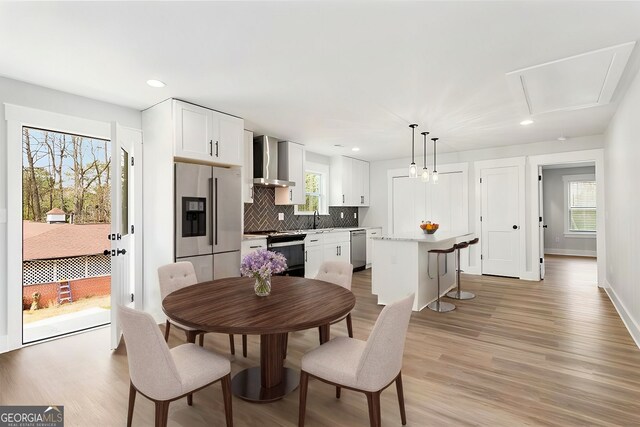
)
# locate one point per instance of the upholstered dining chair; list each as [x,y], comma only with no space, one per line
[365,366]
[339,273]
[164,375]
[177,276]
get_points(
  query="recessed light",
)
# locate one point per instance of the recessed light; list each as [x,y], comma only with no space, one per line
[526,122]
[155,83]
[562,138]
[355,149]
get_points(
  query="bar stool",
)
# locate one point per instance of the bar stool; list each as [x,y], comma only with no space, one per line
[459,294]
[437,305]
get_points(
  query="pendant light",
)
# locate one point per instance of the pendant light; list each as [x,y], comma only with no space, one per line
[425,171]
[434,174]
[413,170]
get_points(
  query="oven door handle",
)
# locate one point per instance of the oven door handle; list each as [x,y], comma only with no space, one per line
[283,244]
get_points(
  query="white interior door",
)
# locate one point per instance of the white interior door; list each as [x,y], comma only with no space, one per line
[541,220]
[500,221]
[126,209]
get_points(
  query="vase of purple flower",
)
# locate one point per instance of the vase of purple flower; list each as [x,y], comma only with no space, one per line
[260,265]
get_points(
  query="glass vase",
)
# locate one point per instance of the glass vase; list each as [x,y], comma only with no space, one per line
[262,286]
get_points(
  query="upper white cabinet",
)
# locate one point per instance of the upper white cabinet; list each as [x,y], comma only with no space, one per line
[247,168]
[207,135]
[291,168]
[349,182]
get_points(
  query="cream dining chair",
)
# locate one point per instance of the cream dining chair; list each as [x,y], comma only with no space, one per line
[176,276]
[365,366]
[164,375]
[339,273]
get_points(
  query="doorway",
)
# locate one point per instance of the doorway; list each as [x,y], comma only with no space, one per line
[536,208]
[66,216]
[567,194]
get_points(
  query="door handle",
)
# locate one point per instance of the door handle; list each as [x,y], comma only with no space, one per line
[121,251]
[215,189]
[544,226]
[515,227]
[210,219]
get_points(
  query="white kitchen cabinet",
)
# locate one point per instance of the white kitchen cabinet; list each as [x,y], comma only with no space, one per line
[371,232]
[291,170]
[313,254]
[228,147]
[337,246]
[349,180]
[365,183]
[205,135]
[193,131]
[337,252]
[247,168]
[252,245]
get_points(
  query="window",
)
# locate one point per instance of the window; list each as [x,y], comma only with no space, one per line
[580,201]
[316,184]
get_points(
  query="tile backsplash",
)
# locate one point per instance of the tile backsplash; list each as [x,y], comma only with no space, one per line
[262,214]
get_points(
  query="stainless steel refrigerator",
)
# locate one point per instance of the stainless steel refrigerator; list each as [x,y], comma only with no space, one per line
[208,214]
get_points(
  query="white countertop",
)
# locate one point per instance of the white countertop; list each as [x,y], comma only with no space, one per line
[426,238]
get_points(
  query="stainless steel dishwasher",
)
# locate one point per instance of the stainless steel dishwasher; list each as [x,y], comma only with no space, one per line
[358,249]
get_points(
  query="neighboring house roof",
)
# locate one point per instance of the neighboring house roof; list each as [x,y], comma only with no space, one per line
[56,211]
[48,241]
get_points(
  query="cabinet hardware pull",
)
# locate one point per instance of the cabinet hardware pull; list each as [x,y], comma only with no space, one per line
[305,256]
[314,240]
[217,143]
[211,147]
[290,195]
[343,198]
[337,248]
[254,247]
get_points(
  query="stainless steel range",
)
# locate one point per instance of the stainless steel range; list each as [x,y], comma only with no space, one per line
[289,244]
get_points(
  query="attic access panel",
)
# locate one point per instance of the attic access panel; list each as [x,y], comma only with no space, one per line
[581,81]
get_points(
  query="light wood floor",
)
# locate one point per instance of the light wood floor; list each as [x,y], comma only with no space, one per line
[537,353]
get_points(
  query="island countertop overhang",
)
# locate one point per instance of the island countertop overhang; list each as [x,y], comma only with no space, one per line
[426,238]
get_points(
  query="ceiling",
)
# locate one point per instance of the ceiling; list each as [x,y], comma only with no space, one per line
[324,73]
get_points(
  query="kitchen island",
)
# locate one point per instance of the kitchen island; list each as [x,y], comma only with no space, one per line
[400,265]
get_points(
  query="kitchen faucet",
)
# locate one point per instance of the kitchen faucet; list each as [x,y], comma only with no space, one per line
[315,214]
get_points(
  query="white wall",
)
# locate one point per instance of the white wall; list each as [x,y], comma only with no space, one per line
[622,157]
[555,240]
[28,95]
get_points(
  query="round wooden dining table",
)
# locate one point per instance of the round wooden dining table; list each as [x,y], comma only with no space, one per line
[230,306]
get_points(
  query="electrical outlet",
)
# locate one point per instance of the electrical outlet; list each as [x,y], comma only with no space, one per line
[355,214]
[280,216]
[341,215]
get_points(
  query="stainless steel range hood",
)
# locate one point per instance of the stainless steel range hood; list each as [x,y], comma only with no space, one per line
[265,163]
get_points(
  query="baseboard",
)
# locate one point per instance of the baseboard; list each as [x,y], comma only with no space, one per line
[570,252]
[629,322]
